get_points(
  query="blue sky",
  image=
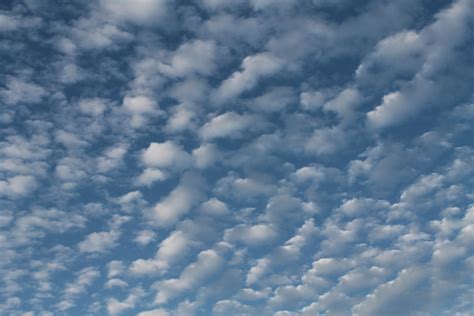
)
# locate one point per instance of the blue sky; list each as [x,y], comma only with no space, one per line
[247,157]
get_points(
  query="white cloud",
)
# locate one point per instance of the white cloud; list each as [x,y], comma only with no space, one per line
[192,57]
[227,125]
[145,267]
[277,99]
[116,307]
[144,237]
[85,278]
[69,139]
[17,186]
[214,207]
[92,33]
[231,307]
[155,312]
[137,11]
[115,283]
[180,120]
[112,158]
[313,100]
[208,263]
[326,140]
[173,246]
[33,226]
[70,73]
[99,242]
[438,41]
[139,104]
[396,296]
[243,189]
[115,268]
[165,155]
[230,29]
[20,91]
[179,202]
[345,104]
[130,198]
[215,153]
[360,206]
[141,108]
[150,176]
[255,235]
[206,155]
[7,23]
[398,106]
[253,69]
[93,106]
[170,251]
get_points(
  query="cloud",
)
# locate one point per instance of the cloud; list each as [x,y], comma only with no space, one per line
[397,106]
[115,307]
[388,297]
[20,91]
[150,176]
[99,242]
[180,201]
[208,263]
[17,186]
[255,235]
[144,237]
[205,155]
[165,155]
[214,207]
[232,30]
[140,12]
[94,106]
[170,250]
[227,125]
[34,226]
[140,108]
[7,23]
[112,158]
[253,69]
[115,283]
[92,34]
[438,42]
[154,312]
[192,57]
[274,100]
[84,279]
[236,157]
[181,119]
[326,141]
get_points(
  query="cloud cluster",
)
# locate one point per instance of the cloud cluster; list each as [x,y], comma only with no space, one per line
[247,157]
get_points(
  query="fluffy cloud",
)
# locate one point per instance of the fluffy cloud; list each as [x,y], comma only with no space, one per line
[180,201]
[194,57]
[140,108]
[165,155]
[20,91]
[255,235]
[253,69]
[17,186]
[227,125]
[236,157]
[205,155]
[141,12]
[98,242]
[387,297]
[208,262]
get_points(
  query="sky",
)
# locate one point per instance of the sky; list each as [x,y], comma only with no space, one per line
[244,157]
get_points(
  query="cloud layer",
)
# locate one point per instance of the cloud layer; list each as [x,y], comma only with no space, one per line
[247,157]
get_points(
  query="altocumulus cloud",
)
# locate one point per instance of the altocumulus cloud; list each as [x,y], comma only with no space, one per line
[247,157]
